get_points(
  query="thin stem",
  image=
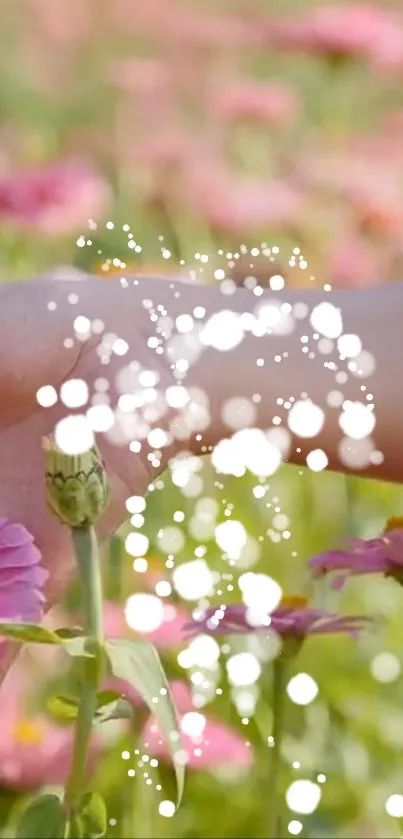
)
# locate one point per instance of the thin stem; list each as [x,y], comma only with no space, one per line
[86,547]
[274,786]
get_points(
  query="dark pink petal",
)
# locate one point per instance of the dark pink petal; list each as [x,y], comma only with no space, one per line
[21,576]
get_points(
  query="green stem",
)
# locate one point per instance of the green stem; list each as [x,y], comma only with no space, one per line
[86,547]
[274,785]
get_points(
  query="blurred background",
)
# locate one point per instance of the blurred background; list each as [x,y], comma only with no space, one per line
[233,139]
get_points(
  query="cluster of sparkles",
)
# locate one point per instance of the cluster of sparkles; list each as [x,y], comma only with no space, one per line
[141,403]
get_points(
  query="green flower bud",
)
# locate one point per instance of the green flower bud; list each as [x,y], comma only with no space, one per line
[76,485]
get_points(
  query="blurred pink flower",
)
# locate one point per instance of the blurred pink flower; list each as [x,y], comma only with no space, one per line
[176,24]
[21,575]
[218,743]
[56,199]
[168,634]
[381,555]
[270,102]
[34,750]
[70,28]
[214,742]
[353,261]
[238,204]
[146,76]
[342,31]
[212,31]
[368,180]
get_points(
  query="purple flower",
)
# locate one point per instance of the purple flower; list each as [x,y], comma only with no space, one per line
[291,619]
[382,555]
[21,575]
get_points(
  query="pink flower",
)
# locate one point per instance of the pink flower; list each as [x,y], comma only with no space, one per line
[54,199]
[21,575]
[353,261]
[34,751]
[58,31]
[292,618]
[340,31]
[168,634]
[367,179]
[217,743]
[381,555]
[147,76]
[212,743]
[239,204]
[268,102]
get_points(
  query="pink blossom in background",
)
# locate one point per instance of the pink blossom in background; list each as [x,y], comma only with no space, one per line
[273,103]
[355,31]
[378,204]
[169,634]
[146,76]
[218,743]
[353,261]
[34,750]
[212,31]
[22,577]
[61,24]
[370,183]
[54,199]
[238,204]
[174,23]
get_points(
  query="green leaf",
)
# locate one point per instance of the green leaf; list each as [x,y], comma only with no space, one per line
[69,632]
[92,814]
[65,708]
[29,632]
[107,697]
[137,662]
[78,646]
[44,818]
[74,828]
[119,710]
[34,633]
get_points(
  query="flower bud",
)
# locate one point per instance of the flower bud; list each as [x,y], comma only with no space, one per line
[76,485]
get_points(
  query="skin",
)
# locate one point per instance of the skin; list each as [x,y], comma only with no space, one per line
[32,354]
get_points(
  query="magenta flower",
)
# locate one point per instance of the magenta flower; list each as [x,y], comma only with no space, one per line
[354,261]
[21,575]
[269,102]
[292,618]
[356,31]
[237,204]
[56,199]
[35,750]
[382,555]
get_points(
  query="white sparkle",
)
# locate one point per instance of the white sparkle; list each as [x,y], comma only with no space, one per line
[303,796]
[144,612]
[302,689]
[74,393]
[74,435]
[46,396]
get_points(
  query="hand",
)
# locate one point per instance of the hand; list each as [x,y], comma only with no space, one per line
[33,355]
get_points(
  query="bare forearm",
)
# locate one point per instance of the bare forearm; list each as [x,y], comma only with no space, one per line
[260,380]
[269,373]
[274,372]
